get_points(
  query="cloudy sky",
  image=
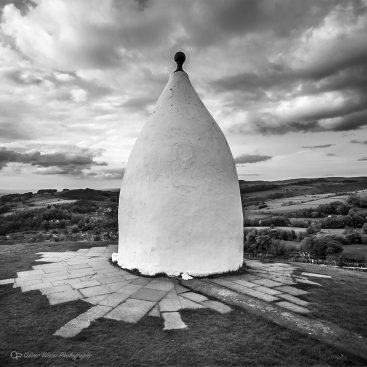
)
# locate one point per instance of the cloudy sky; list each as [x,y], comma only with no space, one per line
[286,80]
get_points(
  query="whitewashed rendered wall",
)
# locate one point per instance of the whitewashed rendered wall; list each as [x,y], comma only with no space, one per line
[180,208]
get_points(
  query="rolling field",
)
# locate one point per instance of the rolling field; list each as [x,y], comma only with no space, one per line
[294,203]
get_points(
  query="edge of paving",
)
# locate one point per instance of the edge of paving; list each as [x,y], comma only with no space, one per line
[323,331]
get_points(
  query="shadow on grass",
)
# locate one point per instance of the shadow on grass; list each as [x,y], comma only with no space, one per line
[235,339]
[341,300]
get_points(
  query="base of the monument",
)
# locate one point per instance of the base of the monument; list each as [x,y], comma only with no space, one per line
[156,271]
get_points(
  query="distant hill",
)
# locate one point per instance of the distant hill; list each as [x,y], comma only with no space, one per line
[89,194]
[257,191]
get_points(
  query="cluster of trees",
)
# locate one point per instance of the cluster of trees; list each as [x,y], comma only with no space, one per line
[83,215]
[246,187]
[271,241]
[90,194]
[323,210]
[321,246]
[333,215]
[15,198]
[357,200]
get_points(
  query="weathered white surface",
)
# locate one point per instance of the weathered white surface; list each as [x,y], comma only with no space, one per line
[180,208]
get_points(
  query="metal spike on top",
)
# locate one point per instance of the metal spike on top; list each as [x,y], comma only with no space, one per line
[180,59]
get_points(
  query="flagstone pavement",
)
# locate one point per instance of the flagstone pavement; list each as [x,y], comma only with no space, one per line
[88,275]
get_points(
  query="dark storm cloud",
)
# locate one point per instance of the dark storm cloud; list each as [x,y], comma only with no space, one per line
[330,154]
[62,163]
[352,121]
[349,75]
[355,141]
[362,159]
[232,18]
[251,158]
[268,124]
[317,146]
[262,127]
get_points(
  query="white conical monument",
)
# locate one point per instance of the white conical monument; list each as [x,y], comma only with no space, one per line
[180,209]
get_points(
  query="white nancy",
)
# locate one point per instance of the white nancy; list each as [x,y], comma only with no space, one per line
[180,208]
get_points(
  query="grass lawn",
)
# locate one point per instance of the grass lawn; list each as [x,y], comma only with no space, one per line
[236,339]
[342,299]
[358,251]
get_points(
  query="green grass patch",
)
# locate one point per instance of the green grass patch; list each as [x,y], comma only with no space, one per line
[342,299]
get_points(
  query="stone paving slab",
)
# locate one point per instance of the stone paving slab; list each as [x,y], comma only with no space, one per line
[95,299]
[79,284]
[131,276]
[32,277]
[82,265]
[83,251]
[242,289]
[315,275]
[254,293]
[35,286]
[154,312]
[60,288]
[59,275]
[186,303]
[217,306]
[95,291]
[161,284]
[172,294]
[271,291]
[306,281]
[7,281]
[293,299]
[292,307]
[22,274]
[62,297]
[169,305]
[117,287]
[172,321]
[110,280]
[81,272]
[267,283]
[24,282]
[149,294]
[141,281]
[113,299]
[53,259]
[245,283]
[75,326]
[54,269]
[194,297]
[132,310]
[284,280]
[129,289]
[291,290]
[180,289]
[248,277]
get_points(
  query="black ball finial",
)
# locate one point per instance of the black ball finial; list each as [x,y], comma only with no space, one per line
[180,59]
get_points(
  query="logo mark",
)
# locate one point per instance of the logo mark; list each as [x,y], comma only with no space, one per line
[15,355]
